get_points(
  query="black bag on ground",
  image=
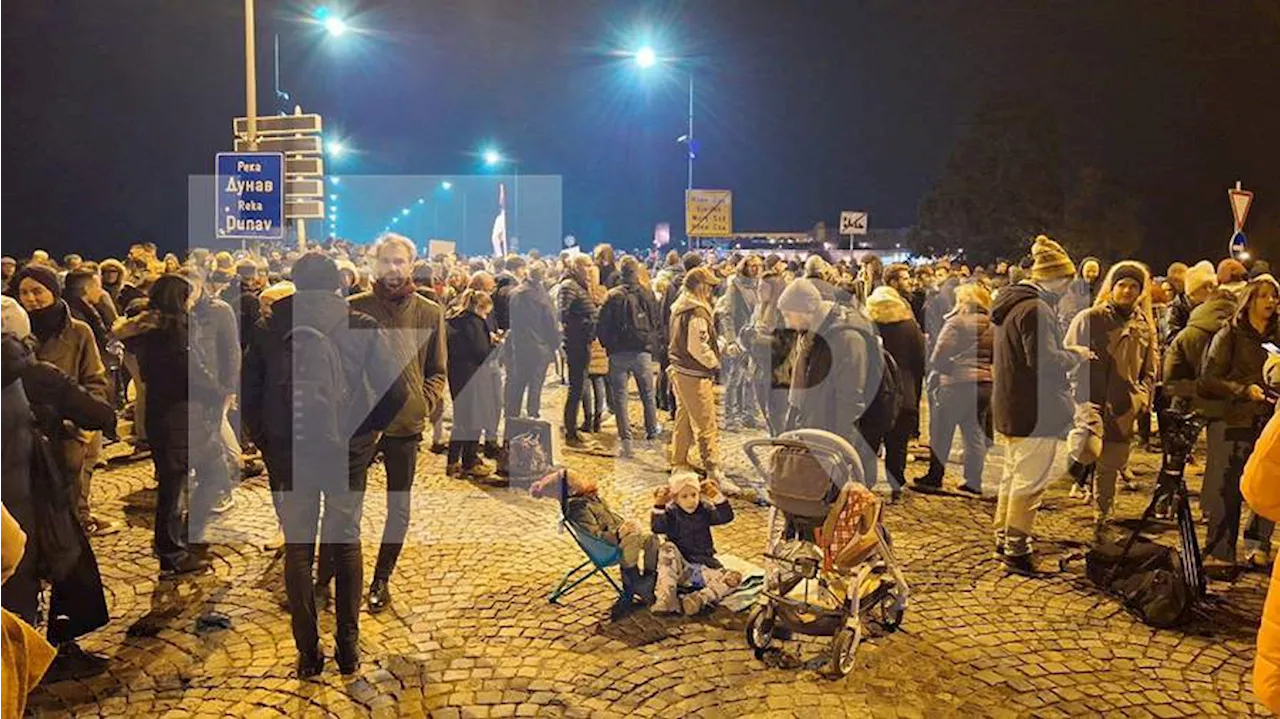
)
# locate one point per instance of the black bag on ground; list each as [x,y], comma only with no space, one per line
[1148,579]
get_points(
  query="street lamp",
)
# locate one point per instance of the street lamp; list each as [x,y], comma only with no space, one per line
[335,26]
[646,58]
[335,148]
[492,157]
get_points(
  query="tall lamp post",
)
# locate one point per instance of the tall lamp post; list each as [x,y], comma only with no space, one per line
[646,58]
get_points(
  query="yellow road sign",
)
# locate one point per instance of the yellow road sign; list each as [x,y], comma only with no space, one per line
[708,213]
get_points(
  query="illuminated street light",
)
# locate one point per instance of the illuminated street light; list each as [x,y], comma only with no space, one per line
[335,180]
[492,157]
[405,211]
[646,57]
[422,201]
[335,148]
[446,185]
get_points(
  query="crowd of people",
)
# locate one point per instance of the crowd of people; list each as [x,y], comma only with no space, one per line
[316,363]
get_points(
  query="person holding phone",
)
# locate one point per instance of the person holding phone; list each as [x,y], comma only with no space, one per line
[1233,372]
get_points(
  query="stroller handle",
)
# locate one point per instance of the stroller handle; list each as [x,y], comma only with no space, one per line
[753,448]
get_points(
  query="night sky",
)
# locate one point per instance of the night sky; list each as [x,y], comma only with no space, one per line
[803,108]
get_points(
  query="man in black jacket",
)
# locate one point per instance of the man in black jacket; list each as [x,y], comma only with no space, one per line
[1031,400]
[532,341]
[305,469]
[629,332]
[578,315]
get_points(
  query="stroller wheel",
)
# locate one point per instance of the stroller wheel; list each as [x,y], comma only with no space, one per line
[889,612]
[844,646]
[760,627]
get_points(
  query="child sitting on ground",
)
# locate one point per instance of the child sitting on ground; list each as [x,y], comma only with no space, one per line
[592,515]
[685,512]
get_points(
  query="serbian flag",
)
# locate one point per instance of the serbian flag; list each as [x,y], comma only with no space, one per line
[499,236]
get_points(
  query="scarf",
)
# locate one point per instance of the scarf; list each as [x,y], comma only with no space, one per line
[398,295]
[51,320]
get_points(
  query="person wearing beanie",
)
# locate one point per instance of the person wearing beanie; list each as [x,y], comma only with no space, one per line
[68,344]
[684,512]
[332,474]
[693,356]
[1114,387]
[1031,403]
[837,368]
[588,511]
[417,327]
[1083,290]
[1233,375]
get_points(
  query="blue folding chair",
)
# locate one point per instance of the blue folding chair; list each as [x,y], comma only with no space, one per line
[600,554]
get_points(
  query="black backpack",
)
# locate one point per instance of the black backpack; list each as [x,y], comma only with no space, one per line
[882,411]
[310,396]
[637,321]
[1146,577]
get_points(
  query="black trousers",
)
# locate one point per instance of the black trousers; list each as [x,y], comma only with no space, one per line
[400,456]
[298,500]
[525,378]
[578,359]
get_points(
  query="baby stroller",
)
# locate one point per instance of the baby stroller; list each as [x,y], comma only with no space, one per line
[829,561]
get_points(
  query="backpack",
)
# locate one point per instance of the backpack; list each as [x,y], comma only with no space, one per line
[311,398]
[636,321]
[882,411]
[1146,577]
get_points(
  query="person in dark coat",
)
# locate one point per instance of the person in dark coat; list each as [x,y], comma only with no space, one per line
[184,417]
[770,344]
[1233,375]
[961,360]
[30,478]
[904,341]
[1030,396]
[629,330]
[578,317]
[472,390]
[532,341]
[1082,292]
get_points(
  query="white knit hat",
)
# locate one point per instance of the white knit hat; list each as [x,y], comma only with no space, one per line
[1201,274]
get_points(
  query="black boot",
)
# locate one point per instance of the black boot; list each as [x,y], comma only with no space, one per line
[626,603]
[310,663]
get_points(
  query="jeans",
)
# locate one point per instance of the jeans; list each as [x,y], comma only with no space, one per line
[525,378]
[640,366]
[1220,499]
[400,456]
[299,504]
[1027,465]
[739,398]
[577,358]
[595,396]
[968,406]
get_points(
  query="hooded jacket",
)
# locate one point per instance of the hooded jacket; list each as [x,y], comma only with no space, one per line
[1120,379]
[831,378]
[1234,361]
[904,340]
[1030,395]
[741,297]
[693,349]
[1185,355]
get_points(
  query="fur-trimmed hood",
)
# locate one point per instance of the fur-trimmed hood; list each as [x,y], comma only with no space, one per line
[886,306]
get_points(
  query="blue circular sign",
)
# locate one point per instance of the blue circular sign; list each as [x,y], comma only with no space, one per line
[1238,241]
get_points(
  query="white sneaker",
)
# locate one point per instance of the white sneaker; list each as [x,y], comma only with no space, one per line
[1077,492]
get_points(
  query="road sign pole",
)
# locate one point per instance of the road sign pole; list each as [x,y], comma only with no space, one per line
[302,234]
[250,75]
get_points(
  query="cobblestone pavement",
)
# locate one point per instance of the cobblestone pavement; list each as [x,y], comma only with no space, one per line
[470,631]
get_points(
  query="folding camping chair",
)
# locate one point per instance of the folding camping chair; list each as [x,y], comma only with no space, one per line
[600,554]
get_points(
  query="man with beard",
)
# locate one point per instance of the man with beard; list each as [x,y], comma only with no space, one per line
[416,327]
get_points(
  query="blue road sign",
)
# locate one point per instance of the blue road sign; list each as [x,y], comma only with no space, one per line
[1237,243]
[250,196]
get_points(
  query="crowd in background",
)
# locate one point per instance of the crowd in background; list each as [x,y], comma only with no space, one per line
[1033,350]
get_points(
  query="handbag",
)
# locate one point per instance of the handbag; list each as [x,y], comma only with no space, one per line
[57,528]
